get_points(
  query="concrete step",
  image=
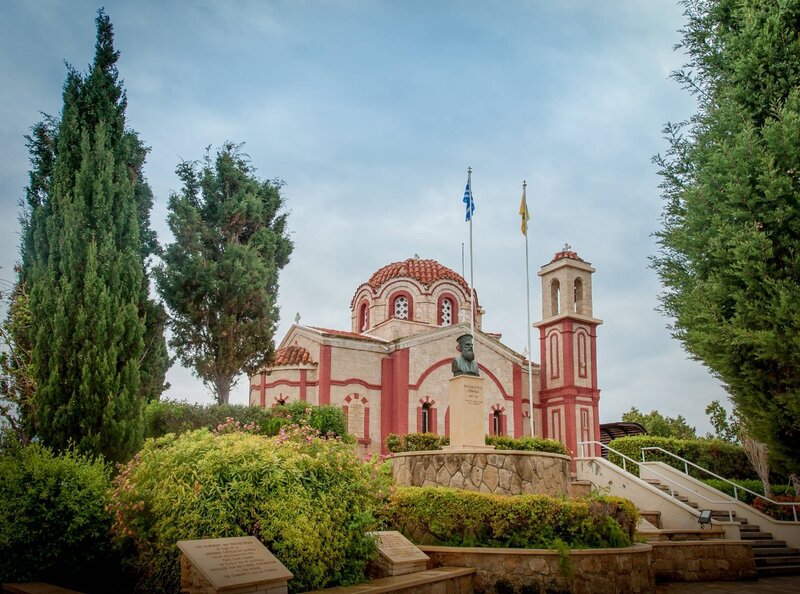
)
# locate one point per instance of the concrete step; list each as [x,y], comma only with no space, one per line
[756,535]
[772,561]
[749,528]
[759,552]
[766,543]
[778,570]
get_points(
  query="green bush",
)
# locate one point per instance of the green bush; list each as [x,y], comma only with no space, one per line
[725,459]
[309,500]
[526,444]
[166,416]
[455,517]
[753,485]
[53,520]
[422,442]
[415,442]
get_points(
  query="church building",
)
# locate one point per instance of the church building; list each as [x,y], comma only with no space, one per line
[389,372]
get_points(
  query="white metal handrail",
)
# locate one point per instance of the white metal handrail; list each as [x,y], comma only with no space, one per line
[658,474]
[687,463]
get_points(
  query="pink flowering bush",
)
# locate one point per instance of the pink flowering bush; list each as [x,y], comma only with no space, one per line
[309,500]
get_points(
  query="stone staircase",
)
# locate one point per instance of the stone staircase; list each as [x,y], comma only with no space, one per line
[772,556]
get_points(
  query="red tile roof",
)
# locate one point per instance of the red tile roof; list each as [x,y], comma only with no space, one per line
[426,272]
[565,253]
[292,355]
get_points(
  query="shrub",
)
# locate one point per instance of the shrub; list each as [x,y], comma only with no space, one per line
[725,459]
[455,517]
[753,485]
[421,442]
[309,500]
[779,512]
[527,444]
[53,521]
[166,416]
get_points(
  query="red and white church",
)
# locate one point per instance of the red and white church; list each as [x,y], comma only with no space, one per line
[389,373]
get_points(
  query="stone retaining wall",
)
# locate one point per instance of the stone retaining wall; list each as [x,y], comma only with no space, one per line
[703,561]
[595,571]
[501,472]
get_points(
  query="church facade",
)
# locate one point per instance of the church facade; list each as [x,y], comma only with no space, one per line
[389,372]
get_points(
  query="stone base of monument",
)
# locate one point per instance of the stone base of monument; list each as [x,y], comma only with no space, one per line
[467,416]
[502,472]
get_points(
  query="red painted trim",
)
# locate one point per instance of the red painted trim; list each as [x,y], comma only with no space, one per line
[447,421]
[324,396]
[487,372]
[568,337]
[570,421]
[400,388]
[303,384]
[453,312]
[434,426]
[517,392]
[362,324]
[543,374]
[366,423]
[387,400]
[354,380]
[408,296]
[593,342]
[263,397]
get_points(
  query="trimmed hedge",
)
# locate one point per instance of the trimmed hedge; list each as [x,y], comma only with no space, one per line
[455,517]
[753,485]
[422,442]
[720,457]
[309,500]
[166,416]
[54,525]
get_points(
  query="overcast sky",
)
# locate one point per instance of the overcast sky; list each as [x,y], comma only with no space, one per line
[371,112]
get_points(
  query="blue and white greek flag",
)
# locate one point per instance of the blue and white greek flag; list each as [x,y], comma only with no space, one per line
[469,201]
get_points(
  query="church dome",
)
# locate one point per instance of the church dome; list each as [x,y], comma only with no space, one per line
[426,272]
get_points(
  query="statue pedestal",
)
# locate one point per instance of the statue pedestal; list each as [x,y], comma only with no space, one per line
[467,422]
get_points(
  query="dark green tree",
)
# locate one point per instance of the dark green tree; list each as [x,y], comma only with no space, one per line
[96,340]
[726,427]
[220,277]
[657,424]
[729,257]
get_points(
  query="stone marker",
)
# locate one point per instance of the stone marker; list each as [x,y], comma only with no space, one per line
[396,556]
[231,565]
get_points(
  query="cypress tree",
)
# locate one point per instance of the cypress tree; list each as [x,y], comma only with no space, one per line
[96,347]
[729,258]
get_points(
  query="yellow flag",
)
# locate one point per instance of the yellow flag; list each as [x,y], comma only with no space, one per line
[523,211]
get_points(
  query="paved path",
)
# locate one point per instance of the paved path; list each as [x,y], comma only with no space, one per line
[770,585]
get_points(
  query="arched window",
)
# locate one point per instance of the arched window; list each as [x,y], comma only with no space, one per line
[555,297]
[497,423]
[577,296]
[363,318]
[426,418]
[401,307]
[447,310]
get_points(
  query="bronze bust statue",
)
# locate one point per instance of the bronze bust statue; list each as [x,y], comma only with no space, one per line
[465,363]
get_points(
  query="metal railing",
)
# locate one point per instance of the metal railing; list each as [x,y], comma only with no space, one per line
[670,481]
[736,488]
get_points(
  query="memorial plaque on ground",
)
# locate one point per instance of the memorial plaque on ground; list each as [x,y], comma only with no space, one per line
[228,563]
[397,555]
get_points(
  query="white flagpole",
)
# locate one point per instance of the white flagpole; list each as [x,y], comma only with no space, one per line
[528,303]
[471,272]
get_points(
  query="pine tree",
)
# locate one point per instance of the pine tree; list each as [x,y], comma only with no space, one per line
[220,277]
[96,347]
[729,258]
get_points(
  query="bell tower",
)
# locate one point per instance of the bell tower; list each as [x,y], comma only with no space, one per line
[567,343]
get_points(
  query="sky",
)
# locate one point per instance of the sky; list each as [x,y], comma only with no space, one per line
[371,112]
